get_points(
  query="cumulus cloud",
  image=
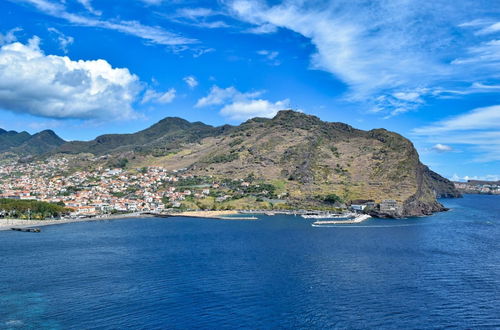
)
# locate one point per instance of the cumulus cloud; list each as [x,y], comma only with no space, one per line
[157,97]
[58,87]
[246,109]
[241,106]
[218,96]
[191,81]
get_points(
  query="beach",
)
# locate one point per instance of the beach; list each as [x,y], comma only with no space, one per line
[204,214]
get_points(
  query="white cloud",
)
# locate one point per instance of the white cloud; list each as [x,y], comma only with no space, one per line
[218,96]
[157,97]
[349,46]
[262,29]
[479,129]
[64,40]
[88,5]
[198,17]
[10,36]
[152,2]
[477,119]
[202,51]
[487,177]
[408,96]
[153,34]
[399,50]
[191,81]
[241,106]
[485,54]
[194,13]
[58,87]
[442,148]
[270,56]
[243,110]
[491,28]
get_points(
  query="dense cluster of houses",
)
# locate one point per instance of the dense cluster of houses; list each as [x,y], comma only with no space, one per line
[478,187]
[112,190]
[101,191]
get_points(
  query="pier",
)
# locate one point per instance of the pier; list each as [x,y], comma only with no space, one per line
[27,230]
[237,218]
[357,219]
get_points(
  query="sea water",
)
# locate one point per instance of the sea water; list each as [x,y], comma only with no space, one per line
[277,272]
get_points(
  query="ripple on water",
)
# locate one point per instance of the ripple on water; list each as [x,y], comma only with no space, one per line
[279,272]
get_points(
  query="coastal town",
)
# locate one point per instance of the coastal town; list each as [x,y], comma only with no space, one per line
[105,191]
[478,187]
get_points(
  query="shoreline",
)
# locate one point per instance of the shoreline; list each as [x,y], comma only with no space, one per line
[7,224]
[228,215]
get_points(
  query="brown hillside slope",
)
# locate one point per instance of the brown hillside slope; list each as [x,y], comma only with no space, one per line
[311,158]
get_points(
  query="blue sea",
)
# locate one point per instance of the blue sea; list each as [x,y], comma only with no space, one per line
[277,272]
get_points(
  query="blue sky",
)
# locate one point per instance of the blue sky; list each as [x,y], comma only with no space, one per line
[427,70]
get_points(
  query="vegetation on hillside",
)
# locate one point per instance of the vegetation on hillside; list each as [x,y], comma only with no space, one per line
[309,158]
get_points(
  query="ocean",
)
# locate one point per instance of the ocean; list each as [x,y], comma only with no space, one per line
[278,272]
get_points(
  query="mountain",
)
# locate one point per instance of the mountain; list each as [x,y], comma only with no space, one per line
[24,143]
[306,159]
[311,159]
[9,139]
[160,138]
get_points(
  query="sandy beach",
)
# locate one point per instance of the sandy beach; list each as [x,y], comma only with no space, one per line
[204,214]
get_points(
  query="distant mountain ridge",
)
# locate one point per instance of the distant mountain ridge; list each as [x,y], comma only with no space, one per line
[23,143]
[164,135]
[304,156]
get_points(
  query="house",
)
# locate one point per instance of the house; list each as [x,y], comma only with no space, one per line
[389,205]
[84,211]
[358,207]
